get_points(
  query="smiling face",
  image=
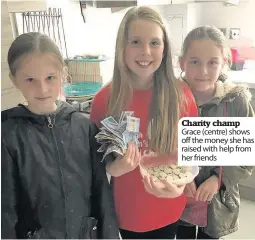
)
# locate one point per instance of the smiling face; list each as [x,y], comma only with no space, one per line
[39,79]
[202,64]
[144,50]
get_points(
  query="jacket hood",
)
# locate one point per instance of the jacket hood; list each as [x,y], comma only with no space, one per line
[63,112]
[228,91]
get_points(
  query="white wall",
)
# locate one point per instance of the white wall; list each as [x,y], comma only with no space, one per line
[95,36]
[242,16]
[10,95]
[193,17]
[175,17]
[98,34]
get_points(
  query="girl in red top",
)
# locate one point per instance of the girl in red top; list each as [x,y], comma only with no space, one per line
[143,82]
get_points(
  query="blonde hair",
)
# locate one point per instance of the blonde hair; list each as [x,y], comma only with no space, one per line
[208,33]
[167,98]
[34,42]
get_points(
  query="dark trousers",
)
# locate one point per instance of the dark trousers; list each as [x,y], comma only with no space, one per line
[186,232]
[167,232]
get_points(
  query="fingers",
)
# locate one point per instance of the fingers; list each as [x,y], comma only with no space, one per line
[168,191]
[197,196]
[128,152]
[193,188]
[137,157]
[202,195]
[210,197]
[133,152]
[176,190]
[151,188]
[146,181]
[153,185]
[147,184]
[171,190]
[188,192]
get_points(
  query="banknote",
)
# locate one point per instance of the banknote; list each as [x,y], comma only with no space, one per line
[133,124]
[124,115]
[131,137]
[111,125]
[114,136]
[112,149]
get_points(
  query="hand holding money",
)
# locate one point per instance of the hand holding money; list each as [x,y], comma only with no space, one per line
[126,164]
[131,159]
[115,136]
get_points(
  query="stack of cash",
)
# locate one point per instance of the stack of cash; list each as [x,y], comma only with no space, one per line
[115,135]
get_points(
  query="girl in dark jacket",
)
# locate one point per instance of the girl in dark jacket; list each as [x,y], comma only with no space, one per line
[53,184]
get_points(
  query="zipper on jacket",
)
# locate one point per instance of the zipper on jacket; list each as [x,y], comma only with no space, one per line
[51,125]
[200,109]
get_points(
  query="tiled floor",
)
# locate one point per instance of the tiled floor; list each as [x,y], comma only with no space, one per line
[247,222]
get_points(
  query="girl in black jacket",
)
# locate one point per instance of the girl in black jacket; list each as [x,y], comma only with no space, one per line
[53,182]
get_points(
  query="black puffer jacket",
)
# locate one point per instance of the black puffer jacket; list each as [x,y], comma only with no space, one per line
[53,182]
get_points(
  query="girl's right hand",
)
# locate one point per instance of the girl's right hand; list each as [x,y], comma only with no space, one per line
[190,190]
[126,164]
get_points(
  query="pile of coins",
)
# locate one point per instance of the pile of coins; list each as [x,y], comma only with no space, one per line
[171,173]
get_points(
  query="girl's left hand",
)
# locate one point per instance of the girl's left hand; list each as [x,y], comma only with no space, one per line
[169,191]
[207,189]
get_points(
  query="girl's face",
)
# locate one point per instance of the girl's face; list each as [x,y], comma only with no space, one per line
[144,50]
[202,65]
[39,78]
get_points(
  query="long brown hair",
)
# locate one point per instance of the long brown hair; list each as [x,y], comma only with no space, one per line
[167,98]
